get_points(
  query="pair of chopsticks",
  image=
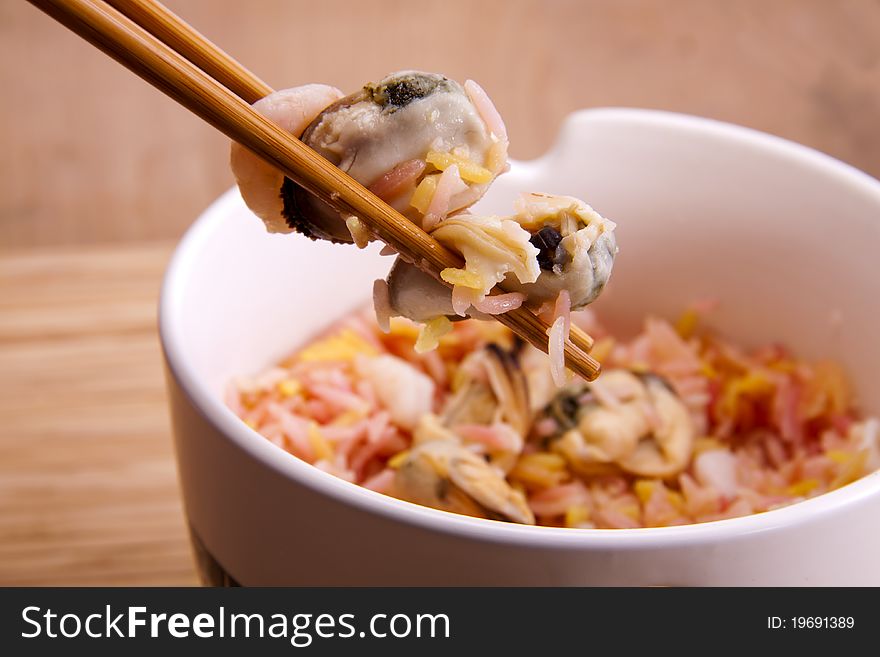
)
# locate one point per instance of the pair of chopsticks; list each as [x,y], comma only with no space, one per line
[160,47]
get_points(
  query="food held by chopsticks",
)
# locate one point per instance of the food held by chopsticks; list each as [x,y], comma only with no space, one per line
[172,56]
[430,148]
[409,130]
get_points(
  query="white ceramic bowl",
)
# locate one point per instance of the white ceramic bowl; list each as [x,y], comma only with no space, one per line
[785,237]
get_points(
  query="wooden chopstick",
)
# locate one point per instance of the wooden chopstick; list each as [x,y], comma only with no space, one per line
[177,34]
[175,73]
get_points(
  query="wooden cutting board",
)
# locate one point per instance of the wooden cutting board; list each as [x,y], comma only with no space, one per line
[88,487]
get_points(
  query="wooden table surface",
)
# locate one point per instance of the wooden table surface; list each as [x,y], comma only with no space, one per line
[93,156]
[88,488]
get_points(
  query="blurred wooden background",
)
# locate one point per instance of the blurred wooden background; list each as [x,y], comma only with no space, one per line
[92,154]
[100,173]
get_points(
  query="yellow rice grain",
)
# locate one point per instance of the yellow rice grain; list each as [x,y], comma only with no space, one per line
[289,388]
[687,323]
[462,277]
[431,332]
[348,418]
[342,346]
[323,449]
[602,349]
[851,470]
[838,456]
[706,444]
[632,511]
[676,499]
[576,515]
[421,198]
[802,487]
[540,470]
[643,489]
[467,169]
[397,460]
[497,156]
[404,328]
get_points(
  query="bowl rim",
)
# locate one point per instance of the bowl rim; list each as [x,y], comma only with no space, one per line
[226,423]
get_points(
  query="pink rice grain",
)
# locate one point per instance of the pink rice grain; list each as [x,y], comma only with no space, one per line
[339,400]
[555,501]
[493,439]
[295,430]
[775,451]
[735,510]
[545,427]
[393,442]
[364,390]
[449,184]
[658,511]
[699,501]
[318,410]
[274,434]
[486,109]
[785,410]
[435,368]
[462,299]
[346,446]
[362,325]
[609,518]
[232,397]
[394,182]
[497,304]
[335,469]
[362,454]
[818,467]
[376,426]
[556,351]
[340,434]
[382,482]
[332,375]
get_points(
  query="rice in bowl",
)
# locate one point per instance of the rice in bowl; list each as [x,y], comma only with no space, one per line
[683,426]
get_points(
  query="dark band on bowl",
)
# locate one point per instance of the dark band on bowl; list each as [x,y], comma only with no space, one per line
[210,571]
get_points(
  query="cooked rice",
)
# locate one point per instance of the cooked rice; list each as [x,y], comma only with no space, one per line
[772,429]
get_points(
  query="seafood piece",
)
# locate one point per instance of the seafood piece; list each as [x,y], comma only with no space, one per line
[416,295]
[551,244]
[622,420]
[494,248]
[490,388]
[259,182]
[420,297]
[489,409]
[445,475]
[717,468]
[576,249]
[404,391]
[425,144]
